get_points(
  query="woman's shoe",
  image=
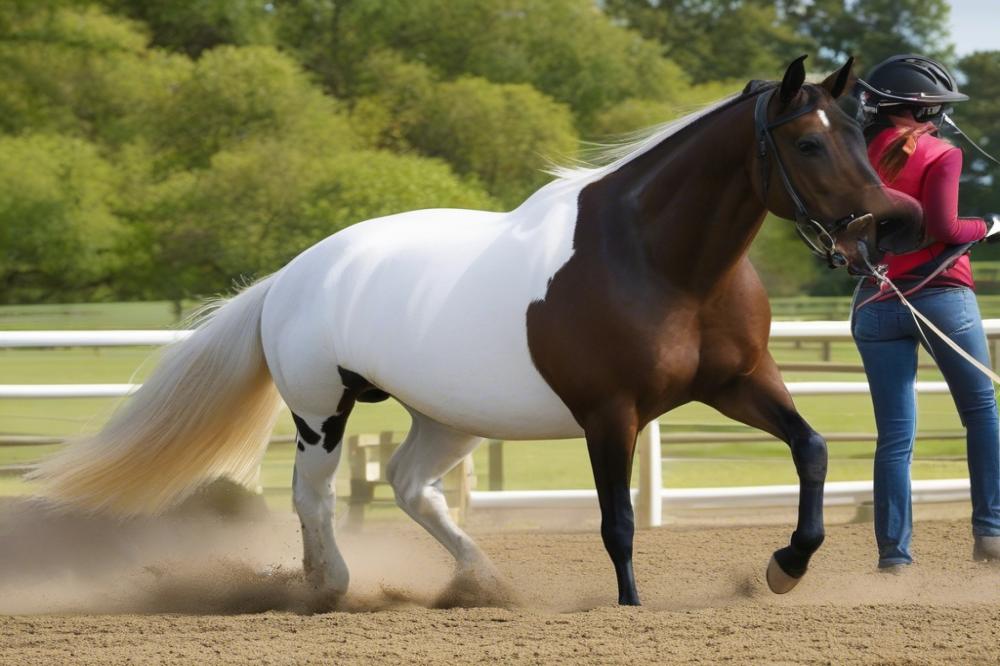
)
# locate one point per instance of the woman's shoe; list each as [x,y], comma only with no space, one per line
[894,569]
[986,549]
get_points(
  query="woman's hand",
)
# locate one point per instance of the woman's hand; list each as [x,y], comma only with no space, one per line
[992,228]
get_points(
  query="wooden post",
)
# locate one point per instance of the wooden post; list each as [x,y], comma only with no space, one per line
[367,470]
[457,484]
[361,490]
[496,464]
[650,501]
[385,450]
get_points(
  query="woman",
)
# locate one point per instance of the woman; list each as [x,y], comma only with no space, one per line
[904,99]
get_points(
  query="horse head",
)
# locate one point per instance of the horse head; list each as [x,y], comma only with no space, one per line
[811,166]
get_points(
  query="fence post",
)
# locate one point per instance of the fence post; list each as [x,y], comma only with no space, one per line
[496,464]
[457,485]
[650,501]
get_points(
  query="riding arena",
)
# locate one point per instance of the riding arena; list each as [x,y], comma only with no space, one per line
[560,422]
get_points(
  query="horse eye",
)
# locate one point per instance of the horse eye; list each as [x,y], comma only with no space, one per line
[808,146]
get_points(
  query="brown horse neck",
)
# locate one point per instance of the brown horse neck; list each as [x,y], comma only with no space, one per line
[689,203]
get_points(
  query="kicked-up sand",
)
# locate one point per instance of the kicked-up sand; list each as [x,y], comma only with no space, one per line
[197,588]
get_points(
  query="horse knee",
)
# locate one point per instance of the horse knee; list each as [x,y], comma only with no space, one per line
[810,455]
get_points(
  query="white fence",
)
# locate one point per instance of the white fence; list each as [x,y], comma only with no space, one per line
[650,498]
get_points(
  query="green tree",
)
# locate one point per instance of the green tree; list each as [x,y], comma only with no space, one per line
[393,96]
[81,72]
[872,30]
[714,40]
[978,118]
[236,94]
[501,133]
[58,231]
[194,26]
[261,203]
[567,49]
[634,114]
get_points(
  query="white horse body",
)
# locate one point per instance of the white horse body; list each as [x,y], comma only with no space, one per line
[430,306]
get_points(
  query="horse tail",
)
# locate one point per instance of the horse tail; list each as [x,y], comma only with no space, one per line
[207,411]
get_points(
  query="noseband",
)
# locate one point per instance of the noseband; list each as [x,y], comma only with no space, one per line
[805,224]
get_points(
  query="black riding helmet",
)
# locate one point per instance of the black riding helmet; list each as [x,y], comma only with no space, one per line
[913,81]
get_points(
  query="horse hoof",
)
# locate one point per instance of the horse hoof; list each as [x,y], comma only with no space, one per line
[778,580]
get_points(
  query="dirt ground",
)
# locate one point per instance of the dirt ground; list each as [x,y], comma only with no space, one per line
[200,589]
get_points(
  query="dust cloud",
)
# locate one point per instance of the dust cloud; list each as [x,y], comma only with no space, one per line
[196,561]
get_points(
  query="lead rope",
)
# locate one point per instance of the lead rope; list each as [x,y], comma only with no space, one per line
[879,274]
[949,261]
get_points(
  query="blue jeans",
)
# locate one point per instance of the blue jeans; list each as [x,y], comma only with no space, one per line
[887,338]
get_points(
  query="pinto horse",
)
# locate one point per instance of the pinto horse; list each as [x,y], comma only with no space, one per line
[609,297]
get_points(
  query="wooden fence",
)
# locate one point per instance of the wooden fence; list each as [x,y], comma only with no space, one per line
[368,454]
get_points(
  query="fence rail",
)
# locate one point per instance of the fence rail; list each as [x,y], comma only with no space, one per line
[650,498]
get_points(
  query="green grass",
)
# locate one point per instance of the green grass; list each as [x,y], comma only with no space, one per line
[88,316]
[839,307]
[527,465]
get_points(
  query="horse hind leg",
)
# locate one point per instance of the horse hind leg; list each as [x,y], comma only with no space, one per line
[318,450]
[430,450]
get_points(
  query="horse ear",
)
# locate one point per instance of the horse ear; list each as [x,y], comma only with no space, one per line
[792,82]
[838,82]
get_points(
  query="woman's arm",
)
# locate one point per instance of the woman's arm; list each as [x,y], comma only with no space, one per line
[940,201]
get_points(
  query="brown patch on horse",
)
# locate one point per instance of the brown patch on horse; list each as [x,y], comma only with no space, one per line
[623,320]
[659,305]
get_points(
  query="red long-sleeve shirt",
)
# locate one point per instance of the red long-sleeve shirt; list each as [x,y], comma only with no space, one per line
[930,175]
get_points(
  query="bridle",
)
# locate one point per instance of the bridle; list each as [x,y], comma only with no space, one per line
[813,233]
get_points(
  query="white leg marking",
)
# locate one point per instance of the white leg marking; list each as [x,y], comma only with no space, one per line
[429,452]
[314,496]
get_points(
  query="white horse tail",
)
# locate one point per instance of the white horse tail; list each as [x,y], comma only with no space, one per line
[206,411]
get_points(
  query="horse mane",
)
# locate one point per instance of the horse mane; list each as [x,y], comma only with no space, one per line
[605,158]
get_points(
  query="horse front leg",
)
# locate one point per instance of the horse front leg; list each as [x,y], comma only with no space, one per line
[611,437]
[761,400]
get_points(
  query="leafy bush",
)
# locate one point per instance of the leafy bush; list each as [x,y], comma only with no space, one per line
[260,204]
[57,226]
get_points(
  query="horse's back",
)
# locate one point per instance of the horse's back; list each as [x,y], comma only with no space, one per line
[430,306]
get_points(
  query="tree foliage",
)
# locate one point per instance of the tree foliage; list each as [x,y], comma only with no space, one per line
[459,125]
[872,30]
[567,49]
[260,204]
[58,230]
[237,94]
[979,119]
[164,148]
[716,40]
[193,27]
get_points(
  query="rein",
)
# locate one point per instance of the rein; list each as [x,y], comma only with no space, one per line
[884,293]
[878,272]
[806,225]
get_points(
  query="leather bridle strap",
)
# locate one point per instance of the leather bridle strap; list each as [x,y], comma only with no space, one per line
[804,222]
[765,146]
